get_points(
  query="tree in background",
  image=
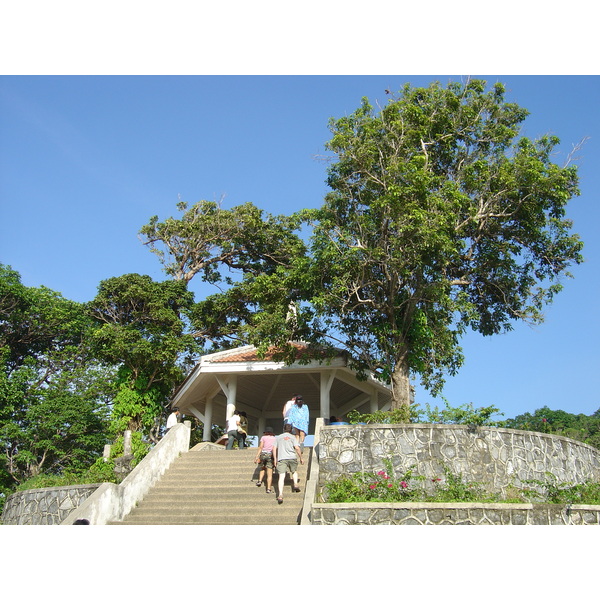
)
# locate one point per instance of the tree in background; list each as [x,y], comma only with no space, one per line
[53,394]
[208,240]
[440,218]
[585,428]
[252,257]
[141,330]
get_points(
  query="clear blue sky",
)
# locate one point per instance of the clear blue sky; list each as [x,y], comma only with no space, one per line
[85,161]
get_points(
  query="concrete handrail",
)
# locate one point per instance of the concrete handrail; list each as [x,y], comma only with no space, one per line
[112,502]
[312,478]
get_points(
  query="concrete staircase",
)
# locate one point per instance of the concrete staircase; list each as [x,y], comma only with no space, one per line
[218,487]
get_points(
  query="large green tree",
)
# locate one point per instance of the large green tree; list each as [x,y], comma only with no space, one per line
[53,395]
[440,218]
[215,243]
[253,258]
[142,331]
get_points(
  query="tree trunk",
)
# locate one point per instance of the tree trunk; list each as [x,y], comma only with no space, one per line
[401,395]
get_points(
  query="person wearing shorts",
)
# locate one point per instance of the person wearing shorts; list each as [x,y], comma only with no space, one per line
[264,457]
[286,453]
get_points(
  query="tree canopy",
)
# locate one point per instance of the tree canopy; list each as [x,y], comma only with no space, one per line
[141,330]
[440,218]
[53,394]
[585,428]
[209,241]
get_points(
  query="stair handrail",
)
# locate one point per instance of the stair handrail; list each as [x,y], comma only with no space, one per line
[112,502]
[312,477]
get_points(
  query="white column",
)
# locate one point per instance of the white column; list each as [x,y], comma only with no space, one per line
[229,387]
[326,383]
[373,402]
[207,420]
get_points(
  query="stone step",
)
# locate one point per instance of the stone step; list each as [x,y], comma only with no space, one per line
[218,488]
[246,489]
[247,519]
[206,508]
[198,484]
[219,497]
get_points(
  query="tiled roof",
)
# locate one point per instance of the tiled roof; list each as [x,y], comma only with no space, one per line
[250,354]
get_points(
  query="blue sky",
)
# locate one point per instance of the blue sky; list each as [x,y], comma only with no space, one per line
[85,161]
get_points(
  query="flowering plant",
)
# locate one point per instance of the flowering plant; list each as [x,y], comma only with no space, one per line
[381,486]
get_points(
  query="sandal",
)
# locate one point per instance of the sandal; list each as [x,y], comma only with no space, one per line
[258,483]
[296,489]
[269,491]
[280,500]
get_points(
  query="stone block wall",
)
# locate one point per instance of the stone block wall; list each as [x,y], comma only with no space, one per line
[380,513]
[498,458]
[45,506]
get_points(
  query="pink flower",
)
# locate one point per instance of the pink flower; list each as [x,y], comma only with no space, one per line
[381,473]
[436,479]
[390,485]
[385,476]
[372,486]
[403,484]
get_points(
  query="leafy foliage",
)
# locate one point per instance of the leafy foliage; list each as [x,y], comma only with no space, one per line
[404,414]
[465,414]
[208,238]
[440,219]
[256,260]
[35,322]
[142,331]
[556,492]
[584,428]
[54,395]
[382,486]
[386,486]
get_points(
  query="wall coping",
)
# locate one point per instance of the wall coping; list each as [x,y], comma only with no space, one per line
[56,488]
[111,502]
[450,505]
[470,428]
[448,513]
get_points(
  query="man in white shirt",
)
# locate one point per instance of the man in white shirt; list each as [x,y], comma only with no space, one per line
[173,418]
[232,430]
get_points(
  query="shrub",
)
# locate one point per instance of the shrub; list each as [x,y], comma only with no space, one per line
[384,486]
[552,491]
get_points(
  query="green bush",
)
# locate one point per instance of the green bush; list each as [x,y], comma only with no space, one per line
[466,414]
[555,492]
[385,486]
[405,414]
[99,472]
[382,486]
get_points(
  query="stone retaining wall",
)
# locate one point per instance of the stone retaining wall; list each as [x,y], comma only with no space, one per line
[45,506]
[379,513]
[497,458]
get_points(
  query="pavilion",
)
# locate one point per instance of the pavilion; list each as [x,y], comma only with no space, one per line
[240,379]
